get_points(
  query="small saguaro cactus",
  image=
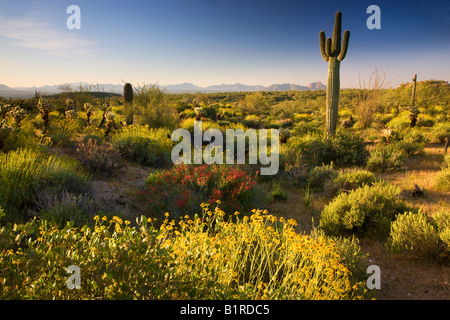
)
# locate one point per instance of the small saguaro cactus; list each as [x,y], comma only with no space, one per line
[333,52]
[128,103]
[44,109]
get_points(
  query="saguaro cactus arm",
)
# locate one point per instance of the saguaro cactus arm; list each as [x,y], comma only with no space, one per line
[322,46]
[344,48]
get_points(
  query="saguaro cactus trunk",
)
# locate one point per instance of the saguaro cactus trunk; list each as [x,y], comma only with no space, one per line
[333,52]
[128,103]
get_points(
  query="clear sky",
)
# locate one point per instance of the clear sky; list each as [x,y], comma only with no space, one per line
[208,42]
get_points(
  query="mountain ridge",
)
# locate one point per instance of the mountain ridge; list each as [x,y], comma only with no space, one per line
[28,92]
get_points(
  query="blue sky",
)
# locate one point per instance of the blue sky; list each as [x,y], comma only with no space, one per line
[208,42]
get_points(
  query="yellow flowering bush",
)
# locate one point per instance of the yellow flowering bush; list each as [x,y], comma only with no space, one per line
[207,257]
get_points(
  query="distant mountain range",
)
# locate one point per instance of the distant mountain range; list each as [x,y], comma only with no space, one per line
[27,92]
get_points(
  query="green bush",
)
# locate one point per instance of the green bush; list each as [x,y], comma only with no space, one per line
[25,172]
[413,232]
[385,159]
[344,150]
[349,180]
[319,176]
[150,147]
[441,220]
[64,207]
[443,179]
[368,209]
[440,131]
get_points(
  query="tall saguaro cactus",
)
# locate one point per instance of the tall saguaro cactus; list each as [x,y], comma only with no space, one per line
[333,52]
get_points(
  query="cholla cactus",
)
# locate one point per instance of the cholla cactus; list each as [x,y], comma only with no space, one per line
[4,109]
[44,109]
[5,131]
[18,115]
[69,104]
[88,107]
[104,107]
[109,116]
[71,114]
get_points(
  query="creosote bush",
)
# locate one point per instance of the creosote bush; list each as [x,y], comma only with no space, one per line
[385,159]
[150,147]
[348,180]
[415,232]
[365,210]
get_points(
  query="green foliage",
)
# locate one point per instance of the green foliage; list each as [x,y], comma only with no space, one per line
[319,176]
[441,131]
[153,107]
[385,159]
[253,258]
[368,209]
[414,232]
[25,172]
[150,147]
[443,179]
[349,180]
[343,150]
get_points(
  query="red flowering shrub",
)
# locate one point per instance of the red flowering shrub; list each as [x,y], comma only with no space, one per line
[181,189]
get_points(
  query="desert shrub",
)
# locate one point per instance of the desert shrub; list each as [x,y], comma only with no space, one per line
[385,159]
[319,176]
[252,121]
[61,208]
[349,180]
[408,147]
[151,147]
[277,193]
[25,172]
[99,157]
[182,188]
[343,150]
[443,179]
[441,221]
[400,121]
[261,257]
[98,139]
[62,138]
[304,128]
[413,232]
[368,209]
[409,142]
[440,131]
[153,107]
